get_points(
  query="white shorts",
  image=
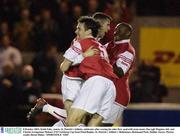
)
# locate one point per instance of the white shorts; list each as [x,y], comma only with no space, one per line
[70,87]
[116,113]
[96,96]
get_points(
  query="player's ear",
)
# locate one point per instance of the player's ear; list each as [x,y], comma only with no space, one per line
[89,31]
[128,33]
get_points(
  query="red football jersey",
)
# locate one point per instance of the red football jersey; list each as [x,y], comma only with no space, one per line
[97,64]
[74,72]
[122,55]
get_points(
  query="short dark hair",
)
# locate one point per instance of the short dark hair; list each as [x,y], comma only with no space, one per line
[101,16]
[126,27]
[90,23]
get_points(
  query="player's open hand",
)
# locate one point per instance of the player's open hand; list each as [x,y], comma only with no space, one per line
[91,51]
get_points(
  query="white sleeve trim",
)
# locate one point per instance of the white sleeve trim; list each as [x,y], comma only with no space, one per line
[73,51]
[78,59]
[125,60]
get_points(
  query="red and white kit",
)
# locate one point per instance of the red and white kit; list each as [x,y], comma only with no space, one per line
[122,55]
[98,91]
[71,81]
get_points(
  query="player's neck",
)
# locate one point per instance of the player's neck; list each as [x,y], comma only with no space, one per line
[88,36]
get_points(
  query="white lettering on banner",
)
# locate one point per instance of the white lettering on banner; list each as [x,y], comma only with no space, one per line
[90,131]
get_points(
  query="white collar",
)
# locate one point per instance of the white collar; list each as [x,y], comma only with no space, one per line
[122,41]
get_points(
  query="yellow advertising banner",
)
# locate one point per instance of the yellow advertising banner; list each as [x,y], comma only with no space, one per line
[162,46]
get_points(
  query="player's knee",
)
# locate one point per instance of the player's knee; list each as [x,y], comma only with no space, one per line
[74,118]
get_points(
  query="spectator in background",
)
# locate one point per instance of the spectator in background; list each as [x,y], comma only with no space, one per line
[45,66]
[9,79]
[9,53]
[77,12]
[120,7]
[4,28]
[30,90]
[108,6]
[65,22]
[148,87]
[24,4]
[31,87]
[45,30]
[127,15]
[9,95]
[119,12]
[23,31]
[9,11]
[92,6]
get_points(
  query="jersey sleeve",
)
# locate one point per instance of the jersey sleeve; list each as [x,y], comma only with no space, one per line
[74,51]
[78,59]
[125,61]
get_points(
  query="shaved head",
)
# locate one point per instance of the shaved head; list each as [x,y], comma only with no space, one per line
[122,31]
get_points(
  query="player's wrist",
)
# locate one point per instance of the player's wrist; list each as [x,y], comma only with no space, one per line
[84,55]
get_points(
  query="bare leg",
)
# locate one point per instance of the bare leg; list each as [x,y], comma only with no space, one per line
[75,117]
[117,122]
[67,105]
[96,120]
[54,111]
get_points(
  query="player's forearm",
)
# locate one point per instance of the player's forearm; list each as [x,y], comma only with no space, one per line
[65,65]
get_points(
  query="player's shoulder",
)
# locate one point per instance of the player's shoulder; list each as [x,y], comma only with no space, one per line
[74,41]
[89,41]
[124,47]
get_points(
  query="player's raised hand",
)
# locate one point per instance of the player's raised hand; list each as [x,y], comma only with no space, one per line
[90,51]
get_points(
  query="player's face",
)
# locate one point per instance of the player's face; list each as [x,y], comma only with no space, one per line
[80,31]
[118,33]
[105,27]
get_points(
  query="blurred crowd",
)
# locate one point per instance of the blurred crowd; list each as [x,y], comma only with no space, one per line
[33,23]
[46,29]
